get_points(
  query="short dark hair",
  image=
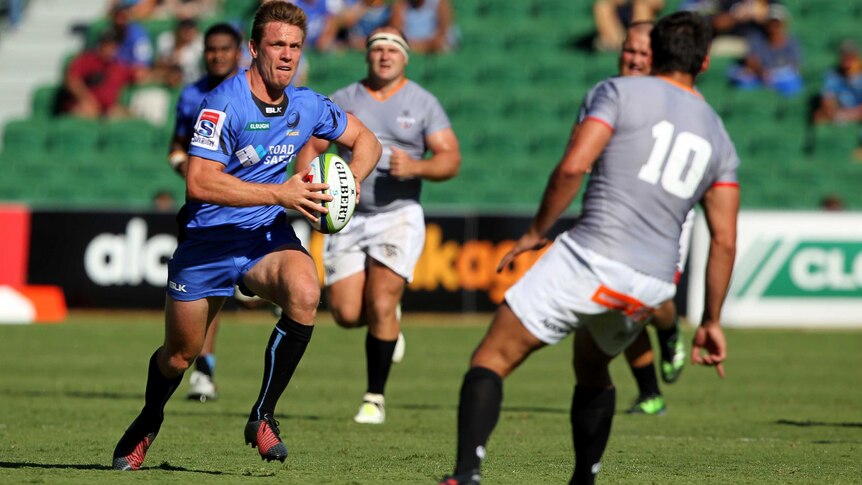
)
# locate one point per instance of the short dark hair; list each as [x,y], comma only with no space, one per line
[223,29]
[276,11]
[680,43]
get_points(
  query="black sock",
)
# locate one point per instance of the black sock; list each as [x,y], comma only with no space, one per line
[591,416]
[202,364]
[646,379]
[478,412]
[378,355]
[159,391]
[283,353]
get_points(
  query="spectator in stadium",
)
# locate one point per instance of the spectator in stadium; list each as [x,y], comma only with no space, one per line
[356,19]
[369,263]
[234,230]
[611,17]
[322,26]
[222,54]
[832,203]
[169,9]
[94,80]
[635,60]
[182,47]
[427,24]
[164,201]
[840,98]
[733,22]
[773,60]
[15,11]
[601,279]
[135,46]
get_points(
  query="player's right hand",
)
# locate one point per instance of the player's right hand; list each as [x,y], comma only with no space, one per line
[304,197]
[528,242]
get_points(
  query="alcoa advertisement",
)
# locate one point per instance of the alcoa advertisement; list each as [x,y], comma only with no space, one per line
[792,269]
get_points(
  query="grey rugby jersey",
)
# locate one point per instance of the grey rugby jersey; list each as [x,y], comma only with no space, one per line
[403,120]
[668,148]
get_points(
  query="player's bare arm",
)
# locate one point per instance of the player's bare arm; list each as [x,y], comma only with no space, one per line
[444,163]
[721,206]
[312,149]
[364,145]
[584,147]
[207,182]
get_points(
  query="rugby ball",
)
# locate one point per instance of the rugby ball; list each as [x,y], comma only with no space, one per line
[333,170]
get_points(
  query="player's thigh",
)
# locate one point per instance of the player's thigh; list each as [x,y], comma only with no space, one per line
[383,288]
[288,278]
[506,344]
[345,299]
[186,324]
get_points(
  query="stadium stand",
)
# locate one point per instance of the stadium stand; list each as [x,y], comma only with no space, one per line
[512,90]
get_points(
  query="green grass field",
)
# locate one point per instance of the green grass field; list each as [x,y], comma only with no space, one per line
[790,410]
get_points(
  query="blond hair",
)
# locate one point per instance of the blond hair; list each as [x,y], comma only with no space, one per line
[277,11]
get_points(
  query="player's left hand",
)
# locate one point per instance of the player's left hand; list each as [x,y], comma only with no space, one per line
[401,165]
[528,242]
[709,347]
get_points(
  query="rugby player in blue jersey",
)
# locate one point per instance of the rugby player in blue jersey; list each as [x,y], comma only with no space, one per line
[222,55]
[233,228]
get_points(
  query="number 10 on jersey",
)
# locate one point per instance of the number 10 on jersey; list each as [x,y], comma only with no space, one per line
[669,158]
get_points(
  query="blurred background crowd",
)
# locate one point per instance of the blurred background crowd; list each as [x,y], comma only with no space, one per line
[87,114]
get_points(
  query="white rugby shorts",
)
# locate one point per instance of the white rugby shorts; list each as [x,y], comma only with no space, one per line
[395,239]
[571,286]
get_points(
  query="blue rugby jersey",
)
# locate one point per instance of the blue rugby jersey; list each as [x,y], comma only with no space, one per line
[256,142]
[188,105]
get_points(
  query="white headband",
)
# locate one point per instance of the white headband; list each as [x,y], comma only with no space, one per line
[387,38]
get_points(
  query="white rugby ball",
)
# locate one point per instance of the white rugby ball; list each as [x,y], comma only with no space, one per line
[333,170]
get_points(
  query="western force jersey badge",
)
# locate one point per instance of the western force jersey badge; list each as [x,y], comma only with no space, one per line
[208,129]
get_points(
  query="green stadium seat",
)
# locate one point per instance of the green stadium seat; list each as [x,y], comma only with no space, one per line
[598,67]
[511,11]
[43,101]
[27,135]
[530,107]
[71,135]
[128,135]
[835,142]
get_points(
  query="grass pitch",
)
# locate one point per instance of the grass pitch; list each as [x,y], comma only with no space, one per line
[790,410]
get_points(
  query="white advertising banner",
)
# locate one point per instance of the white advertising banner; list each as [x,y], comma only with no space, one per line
[793,269]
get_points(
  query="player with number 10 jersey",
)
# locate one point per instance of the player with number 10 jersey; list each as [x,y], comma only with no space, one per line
[685,149]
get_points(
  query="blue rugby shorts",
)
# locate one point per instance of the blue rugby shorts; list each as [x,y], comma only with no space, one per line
[201,268]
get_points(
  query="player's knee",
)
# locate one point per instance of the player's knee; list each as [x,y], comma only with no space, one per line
[347,316]
[179,362]
[381,309]
[304,298]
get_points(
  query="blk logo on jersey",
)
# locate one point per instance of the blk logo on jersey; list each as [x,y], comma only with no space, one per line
[273,110]
[208,129]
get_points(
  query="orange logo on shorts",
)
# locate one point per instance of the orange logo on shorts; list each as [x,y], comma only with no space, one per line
[632,307]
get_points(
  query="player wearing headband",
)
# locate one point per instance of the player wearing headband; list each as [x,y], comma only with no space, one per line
[369,263]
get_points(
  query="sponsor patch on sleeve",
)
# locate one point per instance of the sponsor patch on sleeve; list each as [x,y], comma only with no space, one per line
[208,129]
